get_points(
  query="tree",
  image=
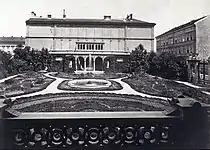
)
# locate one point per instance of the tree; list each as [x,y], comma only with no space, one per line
[5,62]
[152,66]
[30,59]
[138,60]
[168,66]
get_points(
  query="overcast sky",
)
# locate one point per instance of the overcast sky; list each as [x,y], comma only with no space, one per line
[165,13]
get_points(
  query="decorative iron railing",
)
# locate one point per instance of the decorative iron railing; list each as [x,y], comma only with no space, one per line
[184,126]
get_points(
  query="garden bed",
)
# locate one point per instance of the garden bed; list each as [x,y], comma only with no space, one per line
[77,102]
[114,86]
[24,84]
[163,87]
[88,75]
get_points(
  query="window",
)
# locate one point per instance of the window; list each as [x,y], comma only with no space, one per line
[119,60]
[191,38]
[92,46]
[98,45]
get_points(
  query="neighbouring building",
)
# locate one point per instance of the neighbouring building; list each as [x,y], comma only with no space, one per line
[8,44]
[76,43]
[192,38]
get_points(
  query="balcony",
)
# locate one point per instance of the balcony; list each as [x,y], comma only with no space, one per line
[80,52]
[173,128]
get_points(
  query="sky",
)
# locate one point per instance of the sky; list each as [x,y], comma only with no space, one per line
[165,13]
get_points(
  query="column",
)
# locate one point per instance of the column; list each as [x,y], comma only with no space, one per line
[196,72]
[75,63]
[94,65]
[189,70]
[85,63]
[103,58]
[208,68]
[90,60]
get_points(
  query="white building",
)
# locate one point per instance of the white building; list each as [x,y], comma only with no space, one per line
[76,40]
[8,44]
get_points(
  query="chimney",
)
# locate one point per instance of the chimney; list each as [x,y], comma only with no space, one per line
[49,16]
[107,17]
[131,16]
[64,13]
[33,14]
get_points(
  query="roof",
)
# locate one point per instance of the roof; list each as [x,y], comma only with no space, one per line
[66,21]
[12,40]
[182,26]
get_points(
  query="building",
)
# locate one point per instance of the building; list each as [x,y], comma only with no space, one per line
[192,38]
[76,43]
[8,44]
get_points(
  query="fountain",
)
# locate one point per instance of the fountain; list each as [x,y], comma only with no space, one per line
[89,83]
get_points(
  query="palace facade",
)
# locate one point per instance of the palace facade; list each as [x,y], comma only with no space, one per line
[89,44]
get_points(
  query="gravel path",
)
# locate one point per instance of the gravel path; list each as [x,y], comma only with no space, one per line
[52,88]
[193,86]
[7,78]
[189,84]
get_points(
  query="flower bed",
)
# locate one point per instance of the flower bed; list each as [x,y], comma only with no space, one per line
[75,102]
[164,87]
[24,84]
[66,86]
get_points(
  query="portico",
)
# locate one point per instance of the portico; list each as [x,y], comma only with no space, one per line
[88,63]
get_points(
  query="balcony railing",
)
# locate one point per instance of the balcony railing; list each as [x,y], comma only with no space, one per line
[184,126]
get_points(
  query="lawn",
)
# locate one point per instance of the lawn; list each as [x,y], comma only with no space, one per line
[29,82]
[163,87]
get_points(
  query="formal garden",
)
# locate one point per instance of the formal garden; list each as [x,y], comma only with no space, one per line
[74,102]
[158,86]
[25,83]
[146,85]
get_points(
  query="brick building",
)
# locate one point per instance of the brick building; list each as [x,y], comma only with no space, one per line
[76,43]
[8,44]
[187,39]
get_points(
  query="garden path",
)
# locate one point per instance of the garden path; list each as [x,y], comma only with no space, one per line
[10,77]
[52,88]
[189,84]
[192,85]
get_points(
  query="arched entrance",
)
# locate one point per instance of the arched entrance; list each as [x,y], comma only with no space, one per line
[80,63]
[87,63]
[98,64]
